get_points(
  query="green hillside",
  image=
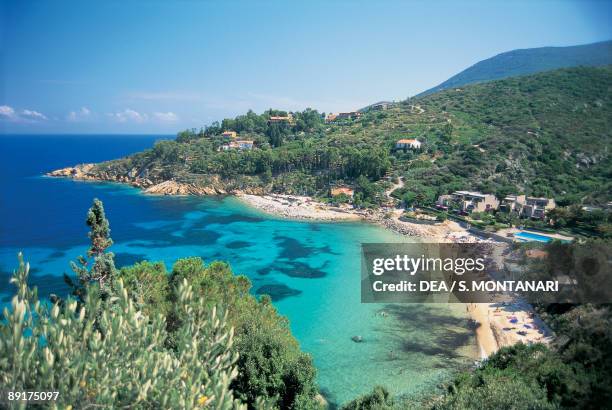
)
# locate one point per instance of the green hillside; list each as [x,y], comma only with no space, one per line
[529,61]
[544,134]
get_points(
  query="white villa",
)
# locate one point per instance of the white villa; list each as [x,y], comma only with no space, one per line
[238,144]
[405,143]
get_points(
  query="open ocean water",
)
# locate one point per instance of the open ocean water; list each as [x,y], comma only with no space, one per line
[310,269]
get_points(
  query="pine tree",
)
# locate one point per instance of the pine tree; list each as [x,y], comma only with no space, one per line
[102,270]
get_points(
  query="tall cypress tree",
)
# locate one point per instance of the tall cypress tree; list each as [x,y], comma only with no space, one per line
[102,269]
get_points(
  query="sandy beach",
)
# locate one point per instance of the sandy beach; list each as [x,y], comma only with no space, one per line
[506,324]
[498,324]
[304,207]
[300,207]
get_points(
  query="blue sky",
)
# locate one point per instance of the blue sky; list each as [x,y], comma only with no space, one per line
[158,67]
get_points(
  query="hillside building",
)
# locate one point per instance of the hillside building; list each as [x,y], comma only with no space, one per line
[527,206]
[238,144]
[469,202]
[408,143]
[353,115]
[279,119]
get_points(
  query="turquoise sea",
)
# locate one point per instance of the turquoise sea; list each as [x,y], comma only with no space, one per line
[310,269]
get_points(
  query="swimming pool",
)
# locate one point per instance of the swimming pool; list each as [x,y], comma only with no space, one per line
[528,237]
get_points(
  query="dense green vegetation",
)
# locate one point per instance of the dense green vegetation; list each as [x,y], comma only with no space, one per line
[596,222]
[124,324]
[378,399]
[529,61]
[108,354]
[546,135]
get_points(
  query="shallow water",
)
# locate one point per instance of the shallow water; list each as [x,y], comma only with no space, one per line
[310,269]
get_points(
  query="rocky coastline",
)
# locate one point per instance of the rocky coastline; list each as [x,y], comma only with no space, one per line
[89,172]
[282,205]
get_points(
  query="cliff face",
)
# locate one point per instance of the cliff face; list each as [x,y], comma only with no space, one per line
[91,172]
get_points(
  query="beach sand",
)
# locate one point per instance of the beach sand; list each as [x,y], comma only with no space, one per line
[304,207]
[300,207]
[506,324]
[487,343]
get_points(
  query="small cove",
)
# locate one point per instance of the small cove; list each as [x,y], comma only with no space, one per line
[311,269]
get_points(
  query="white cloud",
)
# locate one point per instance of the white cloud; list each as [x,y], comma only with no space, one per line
[166,116]
[129,115]
[7,112]
[81,114]
[34,115]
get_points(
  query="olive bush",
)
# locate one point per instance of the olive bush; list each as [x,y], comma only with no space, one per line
[107,353]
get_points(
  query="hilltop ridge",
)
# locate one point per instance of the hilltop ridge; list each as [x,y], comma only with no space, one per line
[529,61]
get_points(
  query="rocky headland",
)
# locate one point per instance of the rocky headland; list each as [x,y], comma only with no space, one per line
[149,185]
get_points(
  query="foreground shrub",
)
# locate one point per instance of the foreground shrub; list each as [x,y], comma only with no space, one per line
[494,393]
[270,363]
[109,354]
[148,286]
[519,377]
